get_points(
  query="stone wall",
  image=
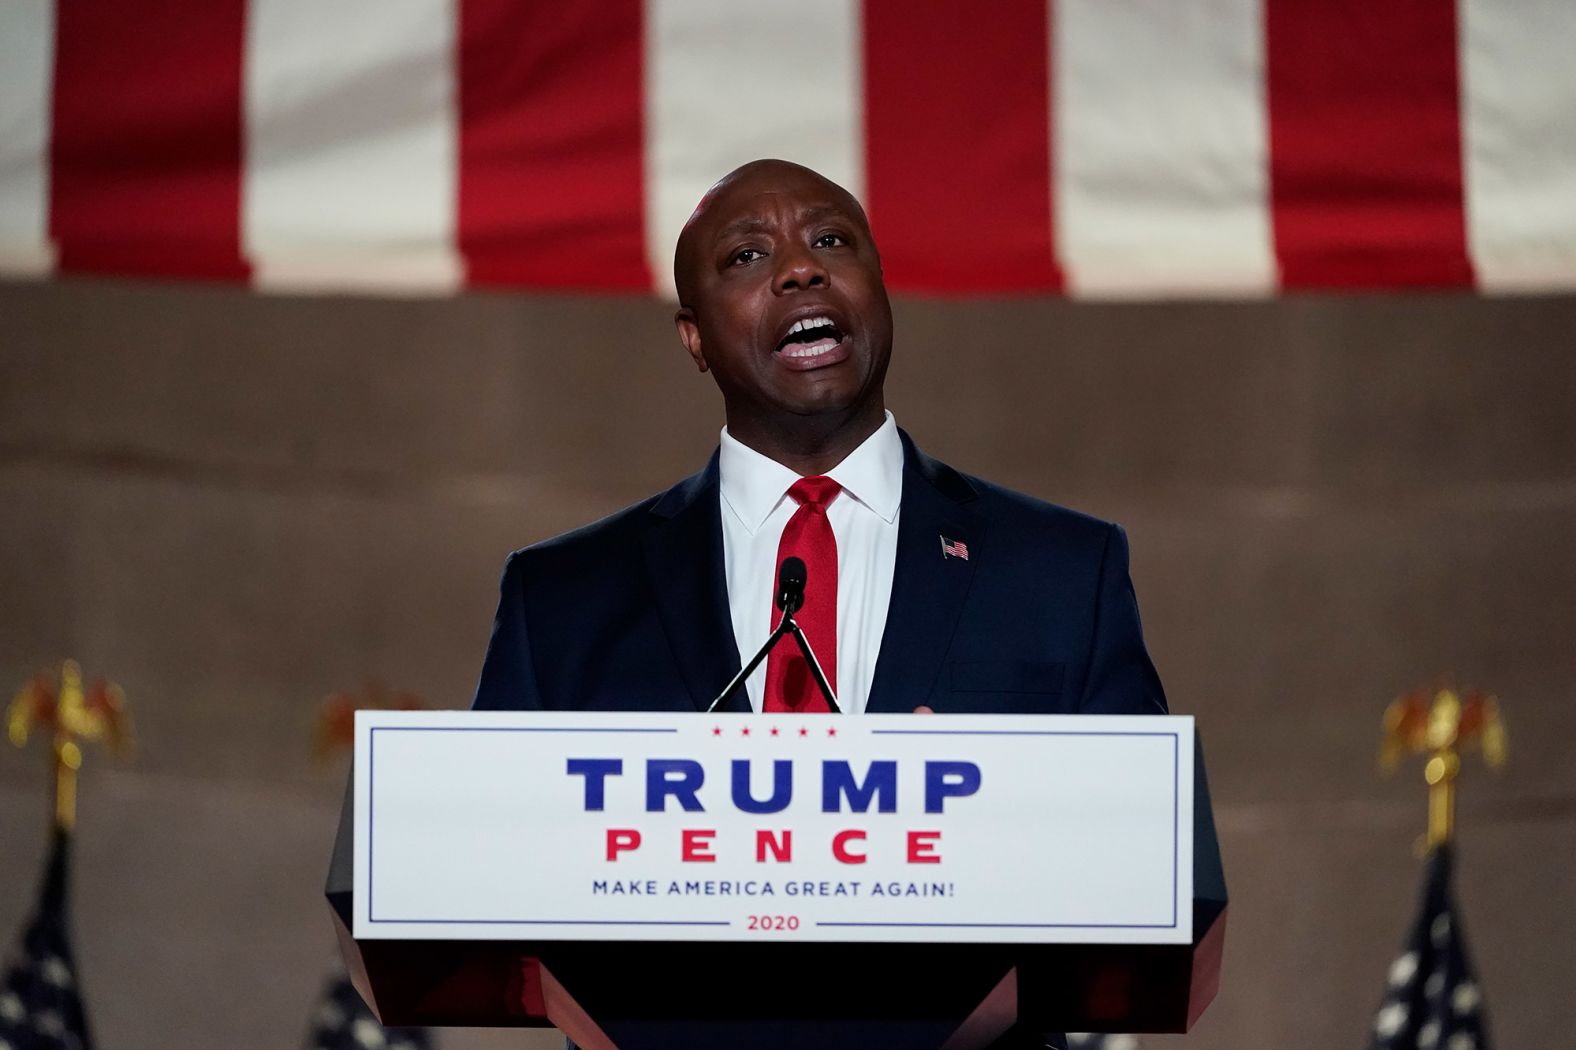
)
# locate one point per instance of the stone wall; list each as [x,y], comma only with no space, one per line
[234,504]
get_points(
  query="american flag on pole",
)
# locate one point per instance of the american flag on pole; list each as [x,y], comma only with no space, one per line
[1432,1001]
[40,1002]
[341,1021]
[1094,148]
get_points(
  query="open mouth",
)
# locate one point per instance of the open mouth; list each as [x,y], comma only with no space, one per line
[810,337]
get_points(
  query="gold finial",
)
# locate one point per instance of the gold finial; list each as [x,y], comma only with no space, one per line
[336,720]
[75,713]
[1442,723]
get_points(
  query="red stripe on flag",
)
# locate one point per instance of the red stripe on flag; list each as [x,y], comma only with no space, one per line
[550,144]
[1365,143]
[958,145]
[146,152]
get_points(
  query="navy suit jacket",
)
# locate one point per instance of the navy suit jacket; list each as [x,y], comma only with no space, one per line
[631,613]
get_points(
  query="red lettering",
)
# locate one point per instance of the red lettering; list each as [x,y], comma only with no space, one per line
[840,846]
[922,847]
[697,844]
[620,840]
[782,848]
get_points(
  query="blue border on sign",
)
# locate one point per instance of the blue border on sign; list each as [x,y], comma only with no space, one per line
[1176,803]
[1176,860]
[372,751]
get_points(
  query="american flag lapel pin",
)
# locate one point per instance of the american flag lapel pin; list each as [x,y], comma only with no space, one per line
[954,549]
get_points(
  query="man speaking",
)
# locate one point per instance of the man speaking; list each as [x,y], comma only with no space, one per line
[925,588]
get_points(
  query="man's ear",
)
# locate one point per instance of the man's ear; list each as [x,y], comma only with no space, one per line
[689,335]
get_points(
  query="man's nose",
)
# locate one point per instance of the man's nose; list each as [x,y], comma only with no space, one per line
[799,268]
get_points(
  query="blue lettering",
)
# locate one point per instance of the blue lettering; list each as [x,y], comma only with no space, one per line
[596,771]
[944,780]
[782,787]
[837,779]
[680,778]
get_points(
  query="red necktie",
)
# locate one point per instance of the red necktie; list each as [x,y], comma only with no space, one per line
[808,535]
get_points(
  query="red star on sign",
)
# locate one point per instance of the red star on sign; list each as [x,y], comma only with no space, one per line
[831,732]
[716,731]
[774,730]
[804,732]
[746,731]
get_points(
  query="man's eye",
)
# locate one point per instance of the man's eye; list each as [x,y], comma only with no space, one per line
[830,240]
[746,255]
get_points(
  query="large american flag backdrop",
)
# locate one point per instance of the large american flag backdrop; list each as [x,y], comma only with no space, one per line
[1102,148]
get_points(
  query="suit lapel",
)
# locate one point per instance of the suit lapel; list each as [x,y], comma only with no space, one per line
[928,586]
[683,552]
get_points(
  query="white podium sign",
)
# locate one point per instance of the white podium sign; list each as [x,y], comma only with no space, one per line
[605,826]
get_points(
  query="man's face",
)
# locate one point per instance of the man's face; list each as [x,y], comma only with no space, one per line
[782,298]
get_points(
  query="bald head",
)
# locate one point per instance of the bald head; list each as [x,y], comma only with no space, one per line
[782,301]
[713,217]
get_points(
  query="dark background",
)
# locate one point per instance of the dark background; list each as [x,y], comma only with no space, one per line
[235,504]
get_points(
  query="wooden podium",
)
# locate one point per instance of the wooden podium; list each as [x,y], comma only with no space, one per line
[492,956]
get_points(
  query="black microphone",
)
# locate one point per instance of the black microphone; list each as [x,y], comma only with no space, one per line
[791,576]
[791,579]
[790,585]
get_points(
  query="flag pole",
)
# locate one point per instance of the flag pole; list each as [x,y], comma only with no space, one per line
[75,713]
[40,997]
[1442,725]
[1432,999]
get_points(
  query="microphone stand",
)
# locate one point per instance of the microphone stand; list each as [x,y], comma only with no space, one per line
[786,626]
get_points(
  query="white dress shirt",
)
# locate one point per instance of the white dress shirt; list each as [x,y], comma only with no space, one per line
[756,507]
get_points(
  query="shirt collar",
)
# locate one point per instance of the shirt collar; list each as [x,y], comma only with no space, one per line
[753,484]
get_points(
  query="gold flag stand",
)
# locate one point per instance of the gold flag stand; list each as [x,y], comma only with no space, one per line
[336,718]
[1442,723]
[75,713]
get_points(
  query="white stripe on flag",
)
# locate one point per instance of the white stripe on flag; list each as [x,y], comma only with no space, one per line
[27,66]
[1518,72]
[351,145]
[728,82]
[1160,147]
